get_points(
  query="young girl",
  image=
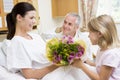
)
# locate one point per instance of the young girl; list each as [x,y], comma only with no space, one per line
[102,31]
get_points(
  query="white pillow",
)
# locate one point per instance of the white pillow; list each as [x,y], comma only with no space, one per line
[47,36]
[2,56]
[3,49]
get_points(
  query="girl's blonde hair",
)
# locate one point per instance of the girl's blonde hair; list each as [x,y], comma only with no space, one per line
[106,26]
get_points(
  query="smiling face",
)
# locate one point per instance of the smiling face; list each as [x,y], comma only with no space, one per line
[27,22]
[69,26]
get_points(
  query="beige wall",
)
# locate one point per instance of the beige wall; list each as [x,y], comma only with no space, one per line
[47,23]
[2,37]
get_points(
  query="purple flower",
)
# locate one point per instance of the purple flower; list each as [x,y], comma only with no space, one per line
[67,39]
[78,55]
[71,58]
[57,58]
[55,52]
[80,48]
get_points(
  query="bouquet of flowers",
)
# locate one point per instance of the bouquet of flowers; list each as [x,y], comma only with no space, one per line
[64,51]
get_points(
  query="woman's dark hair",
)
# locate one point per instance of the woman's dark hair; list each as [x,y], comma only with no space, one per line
[20,8]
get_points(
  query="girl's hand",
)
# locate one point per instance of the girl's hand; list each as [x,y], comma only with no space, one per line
[78,63]
[89,62]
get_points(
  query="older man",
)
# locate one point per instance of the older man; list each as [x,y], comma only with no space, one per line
[70,27]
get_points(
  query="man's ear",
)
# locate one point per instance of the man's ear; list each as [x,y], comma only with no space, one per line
[19,17]
[77,27]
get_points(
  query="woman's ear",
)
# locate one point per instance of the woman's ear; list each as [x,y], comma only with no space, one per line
[19,17]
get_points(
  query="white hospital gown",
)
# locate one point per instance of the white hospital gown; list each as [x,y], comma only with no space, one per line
[24,53]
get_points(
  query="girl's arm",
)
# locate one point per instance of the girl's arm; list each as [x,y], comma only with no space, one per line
[104,73]
[37,73]
[89,62]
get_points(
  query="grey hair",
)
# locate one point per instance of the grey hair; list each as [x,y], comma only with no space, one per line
[77,22]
